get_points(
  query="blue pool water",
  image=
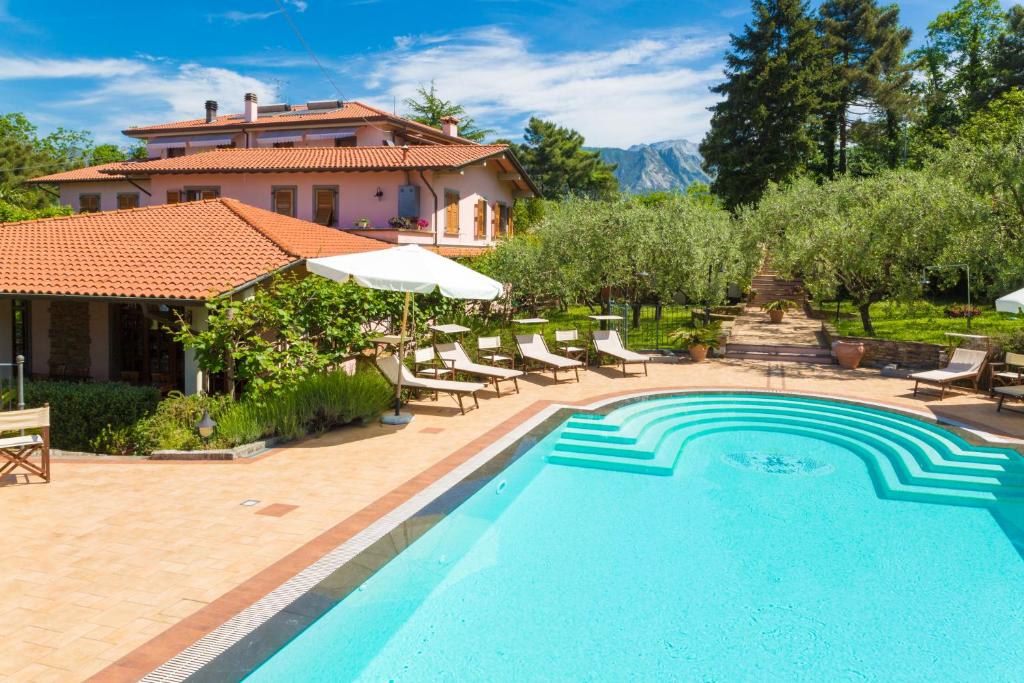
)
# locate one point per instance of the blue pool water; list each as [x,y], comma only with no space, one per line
[704,538]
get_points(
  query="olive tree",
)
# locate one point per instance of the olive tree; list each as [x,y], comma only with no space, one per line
[871,236]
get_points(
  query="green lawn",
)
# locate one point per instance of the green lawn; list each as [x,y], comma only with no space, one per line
[921,321]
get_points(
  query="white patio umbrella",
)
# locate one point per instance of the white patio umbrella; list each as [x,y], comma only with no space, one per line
[1011,303]
[410,269]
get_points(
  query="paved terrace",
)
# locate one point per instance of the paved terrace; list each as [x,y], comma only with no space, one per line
[116,566]
[753,327]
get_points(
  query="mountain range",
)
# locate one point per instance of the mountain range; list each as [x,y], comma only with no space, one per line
[657,166]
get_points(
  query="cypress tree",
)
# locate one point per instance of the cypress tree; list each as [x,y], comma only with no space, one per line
[763,129]
[865,47]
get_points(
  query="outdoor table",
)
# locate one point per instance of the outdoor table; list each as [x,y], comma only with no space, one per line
[529,321]
[387,340]
[451,330]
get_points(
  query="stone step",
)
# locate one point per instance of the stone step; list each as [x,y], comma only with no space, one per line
[796,349]
[785,358]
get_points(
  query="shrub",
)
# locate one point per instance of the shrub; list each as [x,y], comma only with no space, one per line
[962,311]
[313,405]
[81,411]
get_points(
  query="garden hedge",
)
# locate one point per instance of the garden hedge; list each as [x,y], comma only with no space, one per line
[79,411]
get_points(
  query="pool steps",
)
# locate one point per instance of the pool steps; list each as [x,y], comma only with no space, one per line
[907,458]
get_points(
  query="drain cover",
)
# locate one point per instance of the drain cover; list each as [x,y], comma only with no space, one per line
[777,463]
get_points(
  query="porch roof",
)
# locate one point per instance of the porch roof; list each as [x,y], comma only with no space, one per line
[190,251]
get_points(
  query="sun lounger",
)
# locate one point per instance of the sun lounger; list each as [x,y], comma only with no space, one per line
[390,367]
[965,365]
[533,348]
[608,343]
[1016,391]
[456,358]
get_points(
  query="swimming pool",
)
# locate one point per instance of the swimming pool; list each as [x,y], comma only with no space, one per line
[712,537]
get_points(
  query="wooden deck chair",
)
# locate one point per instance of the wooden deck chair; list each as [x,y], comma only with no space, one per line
[456,358]
[533,348]
[390,366]
[608,343]
[16,451]
[964,365]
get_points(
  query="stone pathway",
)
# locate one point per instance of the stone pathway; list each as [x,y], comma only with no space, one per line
[796,338]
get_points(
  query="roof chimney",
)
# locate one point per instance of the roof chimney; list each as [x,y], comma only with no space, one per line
[450,126]
[251,109]
[211,110]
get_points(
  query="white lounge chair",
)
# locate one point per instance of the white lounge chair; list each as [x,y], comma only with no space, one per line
[456,358]
[390,367]
[533,348]
[608,343]
[965,364]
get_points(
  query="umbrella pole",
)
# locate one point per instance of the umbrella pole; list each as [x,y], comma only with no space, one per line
[401,353]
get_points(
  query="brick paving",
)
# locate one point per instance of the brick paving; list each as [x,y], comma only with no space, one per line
[116,566]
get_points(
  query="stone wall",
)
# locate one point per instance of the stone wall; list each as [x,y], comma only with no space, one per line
[69,339]
[881,352]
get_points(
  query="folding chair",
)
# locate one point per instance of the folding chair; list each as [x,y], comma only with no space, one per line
[16,451]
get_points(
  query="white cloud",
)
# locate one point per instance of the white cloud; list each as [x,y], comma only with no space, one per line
[118,93]
[238,17]
[638,91]
[14,68]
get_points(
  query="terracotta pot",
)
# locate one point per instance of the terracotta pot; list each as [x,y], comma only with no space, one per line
[849,354]
[698,352]
[776,316]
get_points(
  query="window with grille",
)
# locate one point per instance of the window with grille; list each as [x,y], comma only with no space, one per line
[128,200]
[283,200]
[88,203]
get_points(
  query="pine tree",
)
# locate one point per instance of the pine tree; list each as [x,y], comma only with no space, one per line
[428,108]
[556,161]
[865,46]
[764,128]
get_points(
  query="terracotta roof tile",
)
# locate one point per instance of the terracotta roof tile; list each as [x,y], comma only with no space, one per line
[101,172]
[354,113]
[320,159]
[193,250]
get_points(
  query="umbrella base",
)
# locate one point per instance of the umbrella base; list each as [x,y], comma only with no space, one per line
[390,418]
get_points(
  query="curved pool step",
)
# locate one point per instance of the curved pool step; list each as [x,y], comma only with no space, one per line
[906,458]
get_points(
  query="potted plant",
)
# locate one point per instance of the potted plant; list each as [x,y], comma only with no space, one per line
[698,340]
[776,310]
[362,223]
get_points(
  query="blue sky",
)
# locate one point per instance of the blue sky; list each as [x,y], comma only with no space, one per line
[620,71]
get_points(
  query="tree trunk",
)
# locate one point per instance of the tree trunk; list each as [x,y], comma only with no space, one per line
[865,318]
[892,131]
[636,316]
[842,136]
[829,144]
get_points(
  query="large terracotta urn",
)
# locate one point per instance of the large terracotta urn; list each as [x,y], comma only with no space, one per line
[698,352]
[776,315]
[848,353]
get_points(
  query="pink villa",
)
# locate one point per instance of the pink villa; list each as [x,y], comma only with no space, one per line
[222,204]
[344,165]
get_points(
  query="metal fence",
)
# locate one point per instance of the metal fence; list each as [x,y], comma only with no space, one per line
[647,327]
[12,385]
